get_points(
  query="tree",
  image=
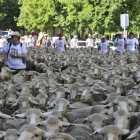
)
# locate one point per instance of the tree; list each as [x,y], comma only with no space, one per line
[10,12]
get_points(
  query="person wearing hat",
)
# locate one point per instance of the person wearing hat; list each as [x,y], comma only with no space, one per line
[23,41]
[74,42]
[120,42]
[41,33]
[5,39]
[15,53]
[10,32]
[9,40]
[89,41]
[103,45]
[139,42]
[132,43]
[31,41]
[60,44]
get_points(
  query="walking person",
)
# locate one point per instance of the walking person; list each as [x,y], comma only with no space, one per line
[47,42]
[113,38]
[120,42]
[89,41]
[139,42]
[60,44]
[9,40]
[31,41]
[23,41]
[52,42]
[74,42]
[103,45]
[2,42]
[15,53]
[132,43]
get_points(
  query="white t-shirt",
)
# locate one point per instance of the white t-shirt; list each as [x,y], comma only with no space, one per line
[4,48]
[104,46]
[131,44]
[31,42]
[52,43]
[17,63]
[41,33]
[9,33]
[120,44]
[90,42]
[24,42]
[60,45]
[5,41]
[1,42]
[74,42]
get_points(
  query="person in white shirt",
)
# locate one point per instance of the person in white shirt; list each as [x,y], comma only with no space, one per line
[31,41]
[89,41]
[120,43]
[132,43]
[74,42]
[23,41]
[5,39]
[10,32]
[103,45]
[52,42]
[9,40]
[41,33]
[1,41]
[15,53]
[60,44]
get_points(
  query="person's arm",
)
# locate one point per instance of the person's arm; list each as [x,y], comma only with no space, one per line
[65,48]
[24,55]
[5,58]
[99,47]
[137,47]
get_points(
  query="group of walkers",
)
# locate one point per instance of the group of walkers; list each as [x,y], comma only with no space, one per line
[15,51]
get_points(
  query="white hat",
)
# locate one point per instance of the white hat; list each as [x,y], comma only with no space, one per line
[8,37]
[120,33]
[2,36]
[5,35]
[89,35]
[75,36]
[10,30]
[23,37]
[103,36]
[30,35]
[16,33]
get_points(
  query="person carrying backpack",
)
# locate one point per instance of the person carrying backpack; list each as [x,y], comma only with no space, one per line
[120,43]
[15,53]
[132,43]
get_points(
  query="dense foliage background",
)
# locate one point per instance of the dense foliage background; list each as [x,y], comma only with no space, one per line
[69,15]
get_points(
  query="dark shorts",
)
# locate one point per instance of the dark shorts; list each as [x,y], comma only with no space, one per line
[16,70]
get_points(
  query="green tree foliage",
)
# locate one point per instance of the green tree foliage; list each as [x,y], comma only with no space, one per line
[10,11]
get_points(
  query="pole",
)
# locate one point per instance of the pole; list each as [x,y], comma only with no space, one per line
[124,25]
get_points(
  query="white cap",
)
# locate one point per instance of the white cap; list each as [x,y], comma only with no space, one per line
[30,35]
[48,37]
[16,33]
[120,33]
[23,37]
[75,36]
[103,36]
[8,37]
[5,35]
[2,36]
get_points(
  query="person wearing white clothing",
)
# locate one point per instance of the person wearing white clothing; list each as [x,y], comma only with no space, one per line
[5,39]
[23,41]
[120,43]
[1,41]
[41,33]
[10,32]
[89,41]
[131,43]
[15,53]
[60,44]
[31,41]
[74,42]
[9,40]
[103,45]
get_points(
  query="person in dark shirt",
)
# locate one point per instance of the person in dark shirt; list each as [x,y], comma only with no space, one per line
[47,42]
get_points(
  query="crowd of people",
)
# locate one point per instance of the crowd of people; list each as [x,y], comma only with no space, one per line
[15,51]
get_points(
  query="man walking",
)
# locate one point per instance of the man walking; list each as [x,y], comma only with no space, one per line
[103,45]
[74,42]
[120,43]
[89,41]
[15,53]
[60,44]
[47,42]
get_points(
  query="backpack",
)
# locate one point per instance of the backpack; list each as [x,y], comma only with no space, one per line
[23,59]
